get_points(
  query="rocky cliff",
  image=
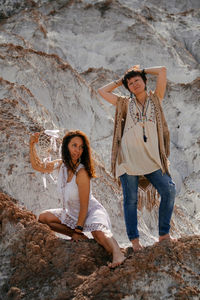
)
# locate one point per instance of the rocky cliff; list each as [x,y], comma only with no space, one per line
[53,57]
[35,264]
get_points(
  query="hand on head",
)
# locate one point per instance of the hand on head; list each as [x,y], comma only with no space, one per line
[135,68]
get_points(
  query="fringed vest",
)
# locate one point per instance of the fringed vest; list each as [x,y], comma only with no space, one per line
[147,195]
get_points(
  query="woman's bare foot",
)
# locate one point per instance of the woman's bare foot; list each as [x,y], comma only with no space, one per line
[166,237]
[136,245]
[118,259]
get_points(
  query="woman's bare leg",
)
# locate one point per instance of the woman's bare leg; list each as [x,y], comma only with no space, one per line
[54,223]
[111,246]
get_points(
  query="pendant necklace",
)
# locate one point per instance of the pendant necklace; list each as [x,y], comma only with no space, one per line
[71,174]
[143,117]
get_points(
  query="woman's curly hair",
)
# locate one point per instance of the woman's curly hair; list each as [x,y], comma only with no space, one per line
[86,157]
[133,73]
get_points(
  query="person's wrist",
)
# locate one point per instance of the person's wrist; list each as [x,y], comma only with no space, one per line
[79,228]
[118,82]
[32,141]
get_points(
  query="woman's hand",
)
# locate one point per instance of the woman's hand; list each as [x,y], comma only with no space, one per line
[35,137]
[78,237]
[135,68]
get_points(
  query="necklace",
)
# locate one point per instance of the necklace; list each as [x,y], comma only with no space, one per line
[144,112]
[70,172]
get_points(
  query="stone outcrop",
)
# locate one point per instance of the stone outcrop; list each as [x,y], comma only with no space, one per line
[62,51]
[40,265]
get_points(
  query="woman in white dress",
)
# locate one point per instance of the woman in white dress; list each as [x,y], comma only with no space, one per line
[81,212]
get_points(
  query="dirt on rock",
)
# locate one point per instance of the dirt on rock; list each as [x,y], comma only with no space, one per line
[44,266]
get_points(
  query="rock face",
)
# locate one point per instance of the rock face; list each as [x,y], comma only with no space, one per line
[53,57]
[39,265]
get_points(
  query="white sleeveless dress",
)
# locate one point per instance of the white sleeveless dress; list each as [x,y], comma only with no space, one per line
[97,217]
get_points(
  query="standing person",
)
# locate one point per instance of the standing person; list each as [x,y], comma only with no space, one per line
[81,212]
[141,146]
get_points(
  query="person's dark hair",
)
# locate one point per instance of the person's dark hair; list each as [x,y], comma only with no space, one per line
[131,74]
[86,158]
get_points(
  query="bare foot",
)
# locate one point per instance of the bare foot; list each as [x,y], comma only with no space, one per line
[136,245]
[166,237]
[118,259]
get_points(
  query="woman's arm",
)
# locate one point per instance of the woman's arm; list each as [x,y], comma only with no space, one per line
[83,182]
[106,91]
[37,165]
[161,73]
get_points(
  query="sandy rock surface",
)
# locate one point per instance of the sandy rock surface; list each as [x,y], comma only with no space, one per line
[40,265]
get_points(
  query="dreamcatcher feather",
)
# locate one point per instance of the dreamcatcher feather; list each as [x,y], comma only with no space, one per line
[48,149]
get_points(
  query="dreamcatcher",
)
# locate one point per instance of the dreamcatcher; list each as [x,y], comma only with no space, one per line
[48,149]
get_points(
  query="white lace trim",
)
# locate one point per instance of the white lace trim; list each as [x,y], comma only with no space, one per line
[70,222]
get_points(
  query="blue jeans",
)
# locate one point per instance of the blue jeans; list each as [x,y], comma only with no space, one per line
[165,187]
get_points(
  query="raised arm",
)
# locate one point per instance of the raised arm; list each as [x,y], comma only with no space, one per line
[36,163]
[161,73]
[106,91]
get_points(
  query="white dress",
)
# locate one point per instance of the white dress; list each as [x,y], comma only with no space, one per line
[97,217]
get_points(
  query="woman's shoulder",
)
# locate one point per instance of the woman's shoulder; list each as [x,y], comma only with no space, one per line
[154,97]
[123,98]
[122,104]
[81,171]
[82,175]
[80,166]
